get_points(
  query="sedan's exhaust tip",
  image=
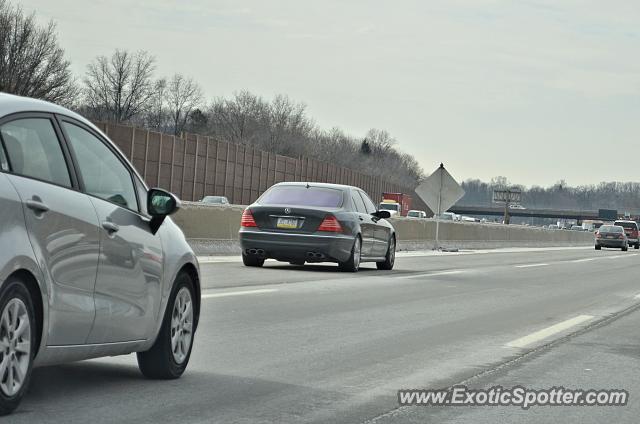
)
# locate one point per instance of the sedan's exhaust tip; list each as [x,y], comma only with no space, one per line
[315,255]
[256,252]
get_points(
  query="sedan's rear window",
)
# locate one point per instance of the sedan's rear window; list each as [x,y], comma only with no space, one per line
[623,224]
[302,196]
[611,229]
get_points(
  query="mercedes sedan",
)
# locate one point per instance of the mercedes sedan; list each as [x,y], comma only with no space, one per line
[90,265]
[315,222]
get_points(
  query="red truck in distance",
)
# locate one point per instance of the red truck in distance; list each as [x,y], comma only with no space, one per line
[396,203]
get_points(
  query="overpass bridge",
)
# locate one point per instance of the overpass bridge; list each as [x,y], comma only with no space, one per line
[579,215]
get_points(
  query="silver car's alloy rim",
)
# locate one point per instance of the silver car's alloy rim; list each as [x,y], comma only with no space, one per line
[356,254]
[181,325]
[15,346]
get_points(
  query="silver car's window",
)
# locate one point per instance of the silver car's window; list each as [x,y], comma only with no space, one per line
[371,208]
[4,165]
[34,150]
[103,174]
[359,204]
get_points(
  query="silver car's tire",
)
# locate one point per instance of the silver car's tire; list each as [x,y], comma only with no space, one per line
[353,263]
[169,355]
[17,343]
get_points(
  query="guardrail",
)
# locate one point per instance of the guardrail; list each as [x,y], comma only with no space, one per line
[212,229]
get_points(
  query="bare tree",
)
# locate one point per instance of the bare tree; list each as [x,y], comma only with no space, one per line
[183,96]
[119,88]
[31,61]
[156,118]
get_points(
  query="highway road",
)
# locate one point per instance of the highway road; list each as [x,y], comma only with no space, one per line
[310,344]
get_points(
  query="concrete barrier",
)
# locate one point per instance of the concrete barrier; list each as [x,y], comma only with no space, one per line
[212,229]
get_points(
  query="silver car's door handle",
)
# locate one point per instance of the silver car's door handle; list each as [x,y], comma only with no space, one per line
[110,227]
[37,206]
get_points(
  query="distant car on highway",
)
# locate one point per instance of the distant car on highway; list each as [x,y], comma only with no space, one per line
[631,230]
[90,263]
[448,216]
[611,236]
[317,222]
[577,228]
[416,214]
[516,207]
[215,200]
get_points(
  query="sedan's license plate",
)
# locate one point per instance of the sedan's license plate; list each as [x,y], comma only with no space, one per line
[287,223]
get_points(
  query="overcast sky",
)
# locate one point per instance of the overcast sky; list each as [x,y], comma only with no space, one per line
[532,90]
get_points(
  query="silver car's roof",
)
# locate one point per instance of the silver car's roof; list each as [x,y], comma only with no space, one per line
[10,104]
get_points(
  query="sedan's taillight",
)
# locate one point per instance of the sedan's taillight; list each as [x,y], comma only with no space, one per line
[247,219]
[331,224]
[621,236]
[598,235]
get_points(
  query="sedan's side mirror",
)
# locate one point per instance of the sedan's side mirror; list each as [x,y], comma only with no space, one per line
[381,214]
[160,204]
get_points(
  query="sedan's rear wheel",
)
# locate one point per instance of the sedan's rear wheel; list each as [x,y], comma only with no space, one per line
[169,355]
[598,247]
[390,258]
[17,344]
[353,263]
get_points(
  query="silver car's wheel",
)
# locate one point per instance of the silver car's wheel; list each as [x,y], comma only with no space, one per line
[169,355]
[15,346]
[18,340]
[182,325]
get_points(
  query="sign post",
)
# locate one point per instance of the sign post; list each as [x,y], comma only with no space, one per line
[507,196]
[439,191]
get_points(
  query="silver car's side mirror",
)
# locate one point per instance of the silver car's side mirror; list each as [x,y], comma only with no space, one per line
[160,204]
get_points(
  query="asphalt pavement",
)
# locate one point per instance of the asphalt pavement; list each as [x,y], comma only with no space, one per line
[310,344]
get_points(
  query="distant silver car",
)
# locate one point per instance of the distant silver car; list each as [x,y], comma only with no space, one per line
[215,200]
[89,266]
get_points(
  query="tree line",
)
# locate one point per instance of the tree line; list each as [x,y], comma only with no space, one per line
[622,196]
[124,88]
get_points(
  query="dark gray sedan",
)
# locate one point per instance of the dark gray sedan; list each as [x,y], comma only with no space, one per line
[316,222]
[611,236]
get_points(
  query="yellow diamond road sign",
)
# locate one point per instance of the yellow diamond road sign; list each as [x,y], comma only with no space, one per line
[440,191]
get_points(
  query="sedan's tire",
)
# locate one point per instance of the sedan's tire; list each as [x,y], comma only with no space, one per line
[636,246]
[169,355]
[390,257]
[251,260]
[17,343]
[353,263]
[625,248]
[598,247]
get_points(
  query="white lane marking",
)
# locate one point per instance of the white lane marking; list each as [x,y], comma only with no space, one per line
[530,265]
[432,274]
[585,260]
[637,296]
[237,293]
[549,331]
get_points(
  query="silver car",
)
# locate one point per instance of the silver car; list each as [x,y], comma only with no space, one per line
[89,266]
